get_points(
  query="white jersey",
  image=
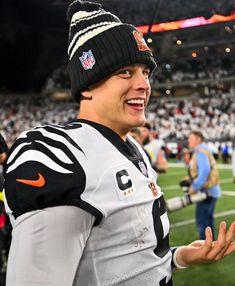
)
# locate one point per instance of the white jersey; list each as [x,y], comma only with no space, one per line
[89,166]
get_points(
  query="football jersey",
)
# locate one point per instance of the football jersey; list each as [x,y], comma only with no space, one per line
[153,148]
[87,165]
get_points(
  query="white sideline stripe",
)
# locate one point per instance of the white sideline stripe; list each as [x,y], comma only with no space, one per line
[190,221]
[182,165]
[228,193]
[174,173]
[174,187]
[178,187]
[226,180]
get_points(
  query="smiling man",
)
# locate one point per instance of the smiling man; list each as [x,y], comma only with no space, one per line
[82,197]
[118,102]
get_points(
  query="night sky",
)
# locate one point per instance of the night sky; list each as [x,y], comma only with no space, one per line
[33,41]
[34,33]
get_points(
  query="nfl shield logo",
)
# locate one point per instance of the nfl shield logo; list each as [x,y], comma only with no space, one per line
[87,60]
[143,168]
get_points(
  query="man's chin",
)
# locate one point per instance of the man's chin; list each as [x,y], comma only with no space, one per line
[141,121]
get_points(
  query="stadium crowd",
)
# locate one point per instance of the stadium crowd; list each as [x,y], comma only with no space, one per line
[209,68]
[214,115]
[25,112]
[171,118]
[168,10]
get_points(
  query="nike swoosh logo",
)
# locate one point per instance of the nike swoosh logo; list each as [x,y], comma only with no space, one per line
[39,182]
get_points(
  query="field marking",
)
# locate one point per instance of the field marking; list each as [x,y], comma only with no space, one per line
[228,193]
[182,165]
[190,221]
[229,180]
[172,187]
[174,173]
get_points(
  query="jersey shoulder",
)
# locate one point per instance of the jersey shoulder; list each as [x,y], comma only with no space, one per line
[42,169]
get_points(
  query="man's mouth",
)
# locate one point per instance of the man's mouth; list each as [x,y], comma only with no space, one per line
[136,102]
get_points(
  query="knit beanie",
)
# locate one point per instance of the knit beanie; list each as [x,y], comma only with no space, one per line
[100,44]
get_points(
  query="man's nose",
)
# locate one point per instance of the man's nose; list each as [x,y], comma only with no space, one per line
[141,81]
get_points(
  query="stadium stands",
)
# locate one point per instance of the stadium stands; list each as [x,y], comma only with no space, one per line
[172,118]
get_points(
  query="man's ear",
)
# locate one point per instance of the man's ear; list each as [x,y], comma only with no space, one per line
[86,94]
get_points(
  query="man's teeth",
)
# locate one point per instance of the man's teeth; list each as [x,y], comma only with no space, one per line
[135,101]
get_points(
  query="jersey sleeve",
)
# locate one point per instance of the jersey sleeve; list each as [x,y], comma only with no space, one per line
[47,246]
[43,170]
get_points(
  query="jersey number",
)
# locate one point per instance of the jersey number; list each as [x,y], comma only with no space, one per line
[158,210]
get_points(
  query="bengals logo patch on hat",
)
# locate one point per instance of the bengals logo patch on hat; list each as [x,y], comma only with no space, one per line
[142,46]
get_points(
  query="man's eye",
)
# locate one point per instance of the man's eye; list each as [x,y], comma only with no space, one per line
[125,72]
[146,74]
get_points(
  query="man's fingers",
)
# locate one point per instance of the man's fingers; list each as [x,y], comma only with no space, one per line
[209,239]
[220,244]
[230,245]
[223,244]
[209,250]
[230,248]
[231,232]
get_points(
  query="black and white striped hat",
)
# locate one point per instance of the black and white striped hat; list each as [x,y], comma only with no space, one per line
[99,44]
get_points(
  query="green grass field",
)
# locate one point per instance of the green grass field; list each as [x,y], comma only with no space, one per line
[221,273]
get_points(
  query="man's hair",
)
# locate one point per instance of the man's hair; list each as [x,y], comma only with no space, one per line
[147,125]
[198,134]
[136,130]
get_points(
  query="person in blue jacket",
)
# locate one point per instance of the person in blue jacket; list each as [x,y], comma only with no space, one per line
[205,177]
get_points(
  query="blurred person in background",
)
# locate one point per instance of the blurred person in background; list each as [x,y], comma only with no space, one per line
[5,228]
[82,197]
[155,148]
[225,153]
[186,154]
[3,150]
[180,148]
[233,162]
[137,135]
[3,156]
[204,177]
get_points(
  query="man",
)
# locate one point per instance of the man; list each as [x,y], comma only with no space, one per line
[136,133]
[233,162]
[4,227]
[3,149]
[3,156]
[186,156]
[83,199]
[154,148]
[205,177]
